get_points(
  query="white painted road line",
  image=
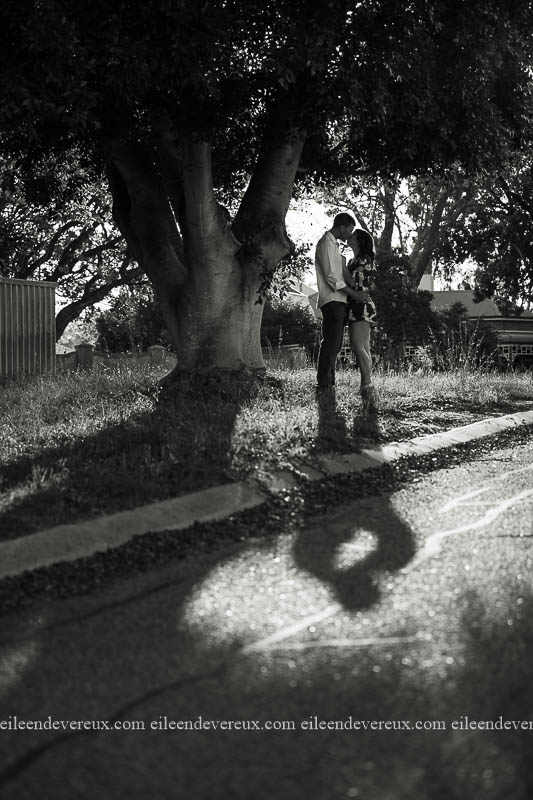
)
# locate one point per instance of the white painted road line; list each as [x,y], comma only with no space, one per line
[432,545]
[290,630]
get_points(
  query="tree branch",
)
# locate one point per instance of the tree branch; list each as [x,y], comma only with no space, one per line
[430,238]
[170,158]
[204,222]
[143,214]
[66,258]
[387,201]
[34,265]
[111,244]
[90,296]
[266,200]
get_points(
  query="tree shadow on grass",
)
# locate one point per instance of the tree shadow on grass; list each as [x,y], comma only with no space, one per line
[183,445]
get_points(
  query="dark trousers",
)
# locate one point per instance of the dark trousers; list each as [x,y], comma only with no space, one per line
[333,317]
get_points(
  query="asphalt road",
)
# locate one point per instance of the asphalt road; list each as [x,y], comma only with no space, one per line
[383,652]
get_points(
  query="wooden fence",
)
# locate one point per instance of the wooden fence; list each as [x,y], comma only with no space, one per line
[27,327]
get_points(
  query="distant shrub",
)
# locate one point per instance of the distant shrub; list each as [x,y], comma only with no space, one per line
[132,323]
[463,343]
[285,322]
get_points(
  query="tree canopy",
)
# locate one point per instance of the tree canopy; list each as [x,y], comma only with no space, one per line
[54,230]
[380,85]
[183,103]
[496,234]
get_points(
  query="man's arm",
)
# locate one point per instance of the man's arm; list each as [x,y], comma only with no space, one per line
[346,274]
[332,267]
[331,264]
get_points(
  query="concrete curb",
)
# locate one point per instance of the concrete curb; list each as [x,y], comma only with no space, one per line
[71,542]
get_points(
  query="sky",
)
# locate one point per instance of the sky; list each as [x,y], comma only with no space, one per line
[306,222]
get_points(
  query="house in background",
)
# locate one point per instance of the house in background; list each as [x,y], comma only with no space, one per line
[515,334]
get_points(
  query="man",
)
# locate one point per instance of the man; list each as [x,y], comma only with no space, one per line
[332,297]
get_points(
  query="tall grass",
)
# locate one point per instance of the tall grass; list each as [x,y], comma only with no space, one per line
[82,444]
[38,412]
[464,348]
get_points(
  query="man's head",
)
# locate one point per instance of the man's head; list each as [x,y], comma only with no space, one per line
[343,225]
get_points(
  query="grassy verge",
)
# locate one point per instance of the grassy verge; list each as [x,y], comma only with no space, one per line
[79,445]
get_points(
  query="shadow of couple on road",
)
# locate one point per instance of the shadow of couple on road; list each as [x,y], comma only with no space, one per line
[353,545]
[373,537]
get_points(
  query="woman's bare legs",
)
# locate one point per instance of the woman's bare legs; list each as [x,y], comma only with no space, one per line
[360,344]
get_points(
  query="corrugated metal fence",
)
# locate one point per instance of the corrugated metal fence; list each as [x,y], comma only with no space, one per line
[27,327]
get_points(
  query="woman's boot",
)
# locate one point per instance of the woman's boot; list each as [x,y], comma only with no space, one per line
[369,398]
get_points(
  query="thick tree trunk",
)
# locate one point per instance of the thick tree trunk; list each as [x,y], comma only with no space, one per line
[91,296]
[205,280]
[216,315]
[208,296]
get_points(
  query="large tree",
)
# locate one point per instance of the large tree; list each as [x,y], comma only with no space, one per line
[496,235]
[178,99]
[52,229]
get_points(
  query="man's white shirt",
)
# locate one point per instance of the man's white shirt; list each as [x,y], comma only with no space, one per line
[328,266]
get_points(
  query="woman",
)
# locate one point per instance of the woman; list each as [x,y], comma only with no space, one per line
[359,273]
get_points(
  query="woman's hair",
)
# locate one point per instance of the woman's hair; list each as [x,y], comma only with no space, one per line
[366,243]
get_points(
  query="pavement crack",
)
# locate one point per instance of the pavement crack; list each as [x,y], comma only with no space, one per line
[31,756]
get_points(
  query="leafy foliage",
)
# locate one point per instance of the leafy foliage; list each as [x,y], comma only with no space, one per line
[404,315]
[463,343]
[354,75]
[446,339]
[55,226]
[131,324]
[285,322]
[497,235]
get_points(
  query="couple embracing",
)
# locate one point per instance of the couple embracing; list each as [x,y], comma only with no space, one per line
[344,299]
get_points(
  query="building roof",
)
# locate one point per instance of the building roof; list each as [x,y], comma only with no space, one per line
[486,308]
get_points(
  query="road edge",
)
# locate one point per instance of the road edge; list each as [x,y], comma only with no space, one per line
[66,543]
